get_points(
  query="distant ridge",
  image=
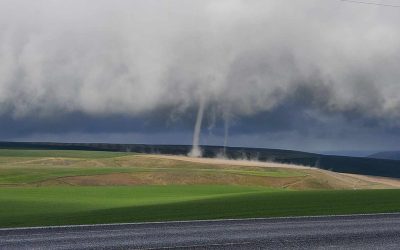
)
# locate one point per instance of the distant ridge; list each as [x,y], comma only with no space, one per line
[343,164]
[389,155]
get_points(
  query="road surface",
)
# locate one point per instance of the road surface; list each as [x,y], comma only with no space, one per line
[336,232]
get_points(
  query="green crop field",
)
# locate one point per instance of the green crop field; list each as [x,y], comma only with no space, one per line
[86,205]
[53,187]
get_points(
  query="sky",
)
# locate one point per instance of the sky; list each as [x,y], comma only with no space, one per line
[311,75]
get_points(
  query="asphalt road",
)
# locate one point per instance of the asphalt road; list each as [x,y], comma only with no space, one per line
[338,232]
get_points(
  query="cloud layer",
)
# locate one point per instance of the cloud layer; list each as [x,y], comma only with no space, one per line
[247,59]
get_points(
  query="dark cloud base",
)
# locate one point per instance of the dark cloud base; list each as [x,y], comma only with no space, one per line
[294,124]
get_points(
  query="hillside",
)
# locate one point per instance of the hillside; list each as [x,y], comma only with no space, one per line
[389,155]
[63,187]
[343,164]
[33,168]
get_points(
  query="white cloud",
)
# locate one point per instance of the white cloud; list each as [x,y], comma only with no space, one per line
[131,57]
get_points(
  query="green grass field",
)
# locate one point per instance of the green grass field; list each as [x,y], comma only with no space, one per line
[86,205]
[39,187]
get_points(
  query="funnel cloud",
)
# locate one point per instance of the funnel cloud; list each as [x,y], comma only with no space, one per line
[196,150]
[304,74]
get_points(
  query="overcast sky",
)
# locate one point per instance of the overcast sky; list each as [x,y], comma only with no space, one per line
[298,74]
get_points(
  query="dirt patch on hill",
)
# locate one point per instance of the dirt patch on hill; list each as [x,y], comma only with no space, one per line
[218,161]
[395,183]
[317,178]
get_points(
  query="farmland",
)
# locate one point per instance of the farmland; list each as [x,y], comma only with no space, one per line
[59,187]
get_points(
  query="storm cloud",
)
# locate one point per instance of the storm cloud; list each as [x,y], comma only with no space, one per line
[269,67]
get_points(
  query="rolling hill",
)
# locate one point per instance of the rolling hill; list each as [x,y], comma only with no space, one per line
[64,187]
[388,155]
[343,164]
